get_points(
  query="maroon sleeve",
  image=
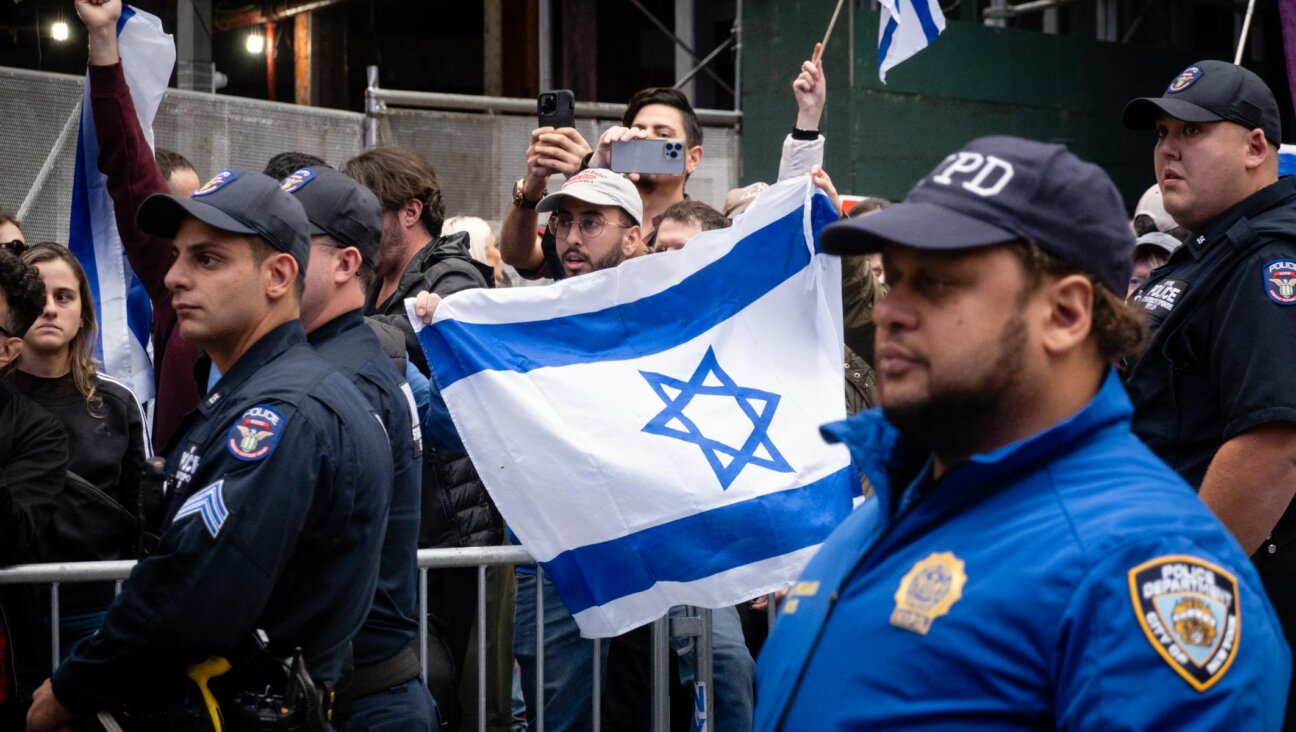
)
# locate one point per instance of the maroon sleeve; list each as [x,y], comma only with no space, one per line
[132,172]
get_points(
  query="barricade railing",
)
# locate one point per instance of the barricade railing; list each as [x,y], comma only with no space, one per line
[699,626]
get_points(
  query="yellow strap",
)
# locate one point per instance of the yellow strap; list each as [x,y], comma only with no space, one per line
[200,674]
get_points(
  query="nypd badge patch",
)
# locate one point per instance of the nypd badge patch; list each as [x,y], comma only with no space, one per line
[1280,281]
[254,436]
[928,591]
[1188,609]
[218,181]
[295,181]
[1185,79]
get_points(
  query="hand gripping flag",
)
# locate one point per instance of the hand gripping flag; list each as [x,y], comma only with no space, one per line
[651,431]
[905,28]
[125,314]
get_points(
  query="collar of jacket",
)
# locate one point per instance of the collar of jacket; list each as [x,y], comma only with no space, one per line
[1272,195]
[891,462]
[270,347]
[342,323]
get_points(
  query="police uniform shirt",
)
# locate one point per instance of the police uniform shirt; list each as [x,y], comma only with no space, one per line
[1222,358]
[349,345]
[1029,588]
[272,524]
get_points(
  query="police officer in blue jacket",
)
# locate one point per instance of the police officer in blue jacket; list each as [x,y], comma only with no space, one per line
[346,227]
[1027,563]
[273,523]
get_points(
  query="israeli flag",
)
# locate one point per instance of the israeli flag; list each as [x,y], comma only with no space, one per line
[1286,160]
[651,431]
[905,28]
[125,313]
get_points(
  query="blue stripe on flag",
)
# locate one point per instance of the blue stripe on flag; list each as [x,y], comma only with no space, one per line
[704,544]
[127,12]
[884,46]
[925,19]
[80,235]
[752,268]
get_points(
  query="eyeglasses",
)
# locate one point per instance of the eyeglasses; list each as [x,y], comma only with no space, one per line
[590,227]
[17,246]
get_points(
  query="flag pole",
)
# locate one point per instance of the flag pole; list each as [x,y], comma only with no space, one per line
[833,22]
[1246,30]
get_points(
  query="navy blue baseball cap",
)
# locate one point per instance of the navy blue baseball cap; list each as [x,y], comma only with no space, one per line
[238,201]
[1211,91]
[339,207]
[998,190]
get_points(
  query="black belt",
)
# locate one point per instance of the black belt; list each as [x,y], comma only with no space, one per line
[374,677]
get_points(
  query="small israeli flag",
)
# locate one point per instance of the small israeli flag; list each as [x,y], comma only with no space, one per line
[905,28]
[125,313]
[651,431]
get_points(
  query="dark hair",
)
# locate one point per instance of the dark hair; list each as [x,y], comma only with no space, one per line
[671,98]
[286,163]
[23,290]
[867,206]
[398,175]
[693,210]
[169,161]
[1119,329]
[261,249]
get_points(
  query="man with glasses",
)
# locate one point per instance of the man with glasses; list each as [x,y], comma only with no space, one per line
[596,222]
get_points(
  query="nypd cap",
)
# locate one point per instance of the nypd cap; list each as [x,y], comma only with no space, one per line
[1210,91]
[238,201]
[339,207]
[998,190]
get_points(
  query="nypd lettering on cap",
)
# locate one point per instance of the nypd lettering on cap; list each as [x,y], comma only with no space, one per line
[209,504]
[1185,79]
[218,181]
[297,180]
[984,175]
[1188,609]
[254,436]
[1280,281]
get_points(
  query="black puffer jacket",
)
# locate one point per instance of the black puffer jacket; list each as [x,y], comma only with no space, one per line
[456,509]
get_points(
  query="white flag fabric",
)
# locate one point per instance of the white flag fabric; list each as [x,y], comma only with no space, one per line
[125,313]
[905,28]
[651,432]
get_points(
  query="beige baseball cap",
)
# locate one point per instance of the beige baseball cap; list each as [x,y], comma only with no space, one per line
[600,187]
[1150,204]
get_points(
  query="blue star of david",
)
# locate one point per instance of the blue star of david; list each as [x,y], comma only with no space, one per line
[746,398]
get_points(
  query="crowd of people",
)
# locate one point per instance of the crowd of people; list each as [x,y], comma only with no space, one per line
[1065,393]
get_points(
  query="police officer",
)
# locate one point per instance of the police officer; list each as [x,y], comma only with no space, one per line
[346,227]
[1215,393]
[273,523]
[1026,563]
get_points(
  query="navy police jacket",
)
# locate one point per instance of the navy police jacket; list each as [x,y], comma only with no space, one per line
[273,523]
[1067,581]
[349,345]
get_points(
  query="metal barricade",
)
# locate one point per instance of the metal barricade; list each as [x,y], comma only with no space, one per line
[696,625]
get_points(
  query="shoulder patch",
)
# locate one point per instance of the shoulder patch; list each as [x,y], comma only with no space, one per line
[1280,281]
[209,503]
[254,435]
[1188,609]
[1185,79]
[218,181]
[297,180]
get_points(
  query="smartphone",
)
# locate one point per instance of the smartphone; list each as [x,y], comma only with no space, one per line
[557,108]
[653,155]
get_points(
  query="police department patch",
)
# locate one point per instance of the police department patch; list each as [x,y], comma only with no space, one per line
[1280,281]
[254,436]
[1185,79]
[1188,609]
[928,591]
[295,181]
[218,181]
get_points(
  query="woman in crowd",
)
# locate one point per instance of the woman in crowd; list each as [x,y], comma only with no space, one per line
[107,440]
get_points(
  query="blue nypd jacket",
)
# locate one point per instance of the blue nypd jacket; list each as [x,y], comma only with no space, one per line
[273,524]
[1068,581]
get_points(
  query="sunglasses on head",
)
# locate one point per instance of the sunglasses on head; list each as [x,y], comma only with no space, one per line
[17,246]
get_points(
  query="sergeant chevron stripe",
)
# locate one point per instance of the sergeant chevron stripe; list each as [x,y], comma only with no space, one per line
[208,503]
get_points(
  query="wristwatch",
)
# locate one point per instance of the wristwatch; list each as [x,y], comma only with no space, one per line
[519,197]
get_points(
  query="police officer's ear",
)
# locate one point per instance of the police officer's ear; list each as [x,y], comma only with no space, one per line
[346,265]
[280,275]
[1261,154]
[1067,305]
